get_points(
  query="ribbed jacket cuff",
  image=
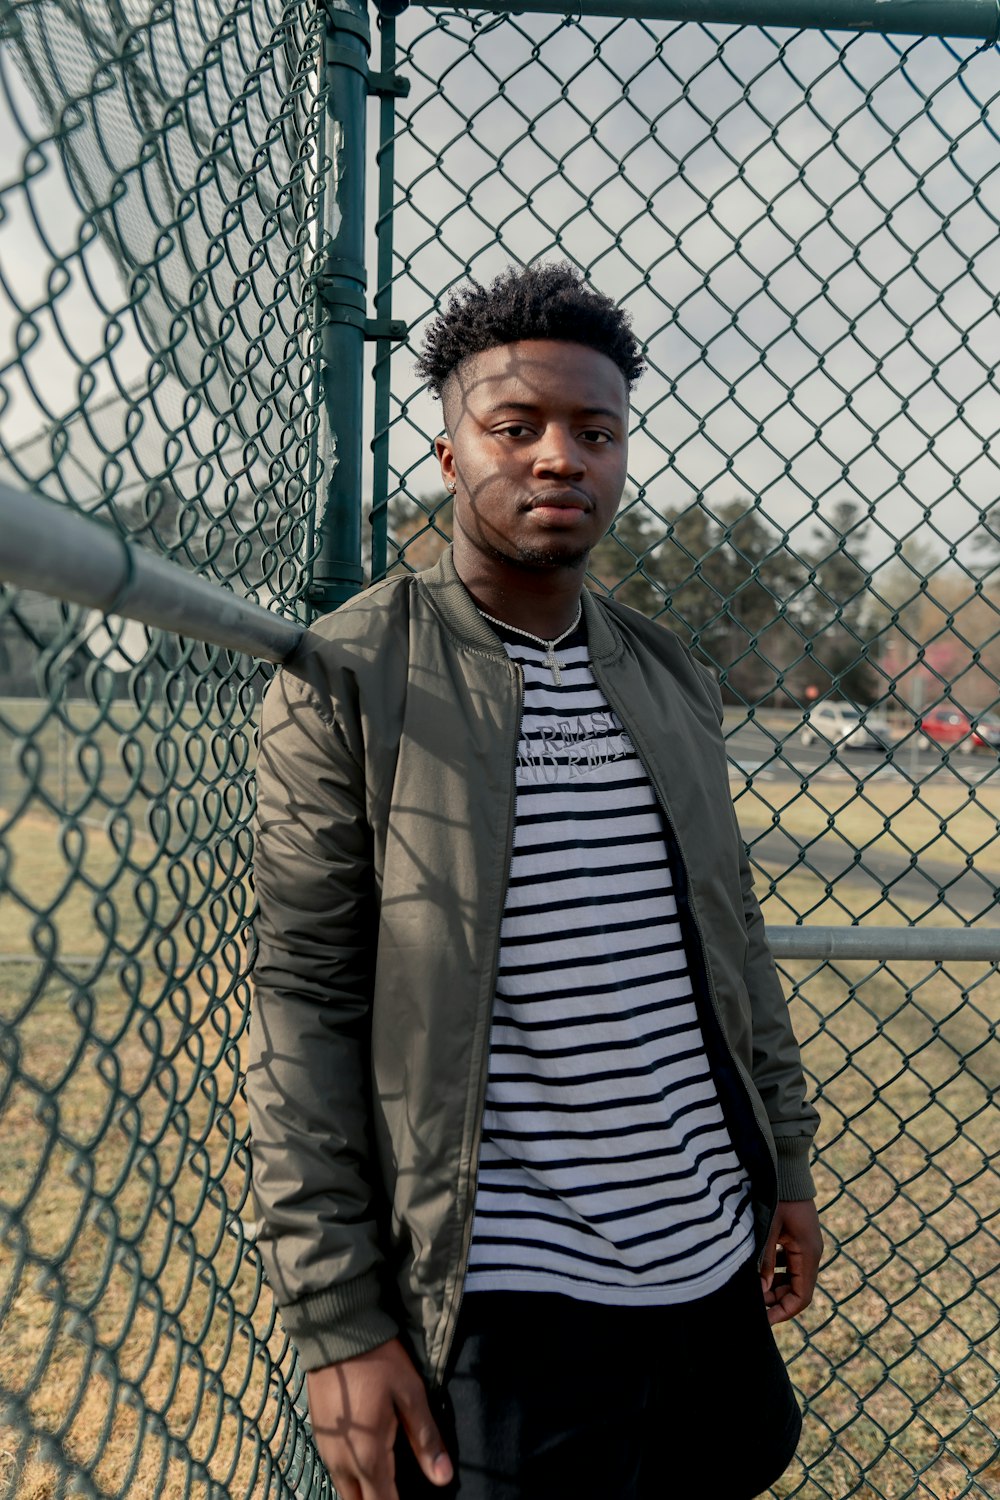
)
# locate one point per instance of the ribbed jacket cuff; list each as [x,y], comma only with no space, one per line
[794,1177]
[338,1323]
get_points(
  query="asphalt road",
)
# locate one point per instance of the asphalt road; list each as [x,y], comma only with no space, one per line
[863,879]
[754,750]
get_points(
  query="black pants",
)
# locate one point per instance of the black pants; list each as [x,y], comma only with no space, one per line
[553,1399]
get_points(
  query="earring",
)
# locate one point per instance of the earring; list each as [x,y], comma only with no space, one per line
[452,487]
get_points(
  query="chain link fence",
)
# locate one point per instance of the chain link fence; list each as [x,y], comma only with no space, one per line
[157,236]
[803,225]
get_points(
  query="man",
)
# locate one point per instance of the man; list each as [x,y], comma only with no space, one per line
[528,1116]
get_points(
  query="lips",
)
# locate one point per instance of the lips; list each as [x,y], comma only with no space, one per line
[559,500]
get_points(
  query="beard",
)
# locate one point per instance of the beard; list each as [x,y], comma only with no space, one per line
[541,559]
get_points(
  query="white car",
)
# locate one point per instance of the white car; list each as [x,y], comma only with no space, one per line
[839,726]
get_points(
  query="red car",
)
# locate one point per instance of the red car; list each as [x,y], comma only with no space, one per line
[950,726]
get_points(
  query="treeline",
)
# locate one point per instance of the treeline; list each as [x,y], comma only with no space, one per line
[781,617]
[785,617]
[771,618]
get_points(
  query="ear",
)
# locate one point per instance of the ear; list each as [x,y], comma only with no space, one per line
[445,451]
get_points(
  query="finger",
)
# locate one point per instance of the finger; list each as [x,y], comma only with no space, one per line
[361,1464]
[801,1271]
[806,1285]
[767,1267]
[422,1432]
[789,1305]
[347,1488]
[770,1249]
[790,1297]
[377,1482]
[382,1488]
[358,1476]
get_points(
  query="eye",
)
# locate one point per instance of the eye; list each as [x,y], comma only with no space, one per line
[515,430]
[595,435]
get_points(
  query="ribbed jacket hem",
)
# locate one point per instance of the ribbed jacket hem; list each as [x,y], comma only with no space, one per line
[339,1323]
[794,1177]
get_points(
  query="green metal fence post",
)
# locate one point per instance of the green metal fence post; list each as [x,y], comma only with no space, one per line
[342,282]
[383,295]
[337,572]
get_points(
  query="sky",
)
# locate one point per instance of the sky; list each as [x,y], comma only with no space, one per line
[803,227]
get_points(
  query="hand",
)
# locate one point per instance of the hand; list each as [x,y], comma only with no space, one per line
[791,1259]
[356,1407]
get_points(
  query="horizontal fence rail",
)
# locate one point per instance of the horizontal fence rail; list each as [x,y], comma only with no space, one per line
[68,556]
[919,944]
[956,18]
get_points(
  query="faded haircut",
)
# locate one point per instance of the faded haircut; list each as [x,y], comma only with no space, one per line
[548,300]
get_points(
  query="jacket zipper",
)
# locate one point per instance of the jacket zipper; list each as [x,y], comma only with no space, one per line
[437,1375]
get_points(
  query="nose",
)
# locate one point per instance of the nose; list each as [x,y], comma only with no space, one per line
[559,454]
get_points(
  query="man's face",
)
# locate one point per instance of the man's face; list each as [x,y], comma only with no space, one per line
[536,448]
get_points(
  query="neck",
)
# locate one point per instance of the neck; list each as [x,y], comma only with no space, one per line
[544,603]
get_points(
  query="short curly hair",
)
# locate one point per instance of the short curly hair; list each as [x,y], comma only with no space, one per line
[548,300]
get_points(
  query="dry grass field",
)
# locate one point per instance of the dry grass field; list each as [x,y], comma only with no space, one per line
[138,1351]
[943,819]
[898,1357]
[135,1329]
[136,1333]
[900,1366]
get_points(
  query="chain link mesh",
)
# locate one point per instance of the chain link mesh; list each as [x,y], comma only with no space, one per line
[157,234]
[804,228]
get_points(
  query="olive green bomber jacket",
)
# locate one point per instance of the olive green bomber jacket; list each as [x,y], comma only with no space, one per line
[385,820]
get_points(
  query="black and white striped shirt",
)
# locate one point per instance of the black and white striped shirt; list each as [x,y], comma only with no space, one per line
[606,1170]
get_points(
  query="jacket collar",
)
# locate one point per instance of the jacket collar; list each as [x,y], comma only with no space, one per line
[454,603]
